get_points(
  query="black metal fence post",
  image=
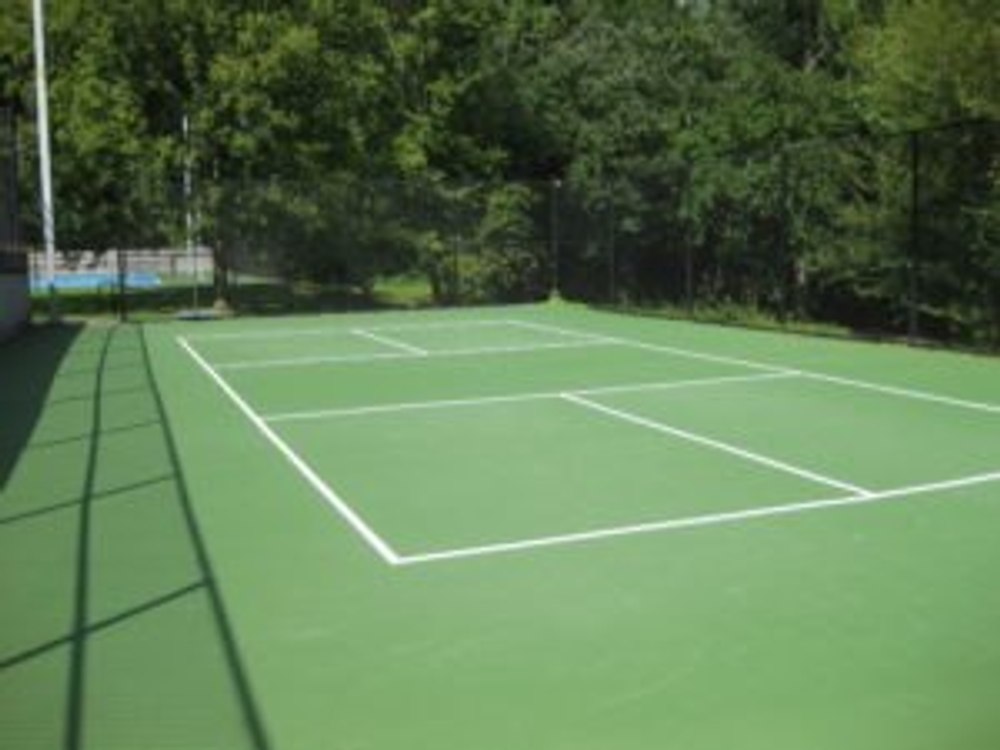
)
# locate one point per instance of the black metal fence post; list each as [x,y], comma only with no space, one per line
[685,200]
[613,253]
[122,285]
[913,265]
[554,237]
[786,284]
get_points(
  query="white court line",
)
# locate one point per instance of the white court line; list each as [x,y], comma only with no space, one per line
[905,392]
[393,558]
[393,408]
[564,332]
[362,358]
[717,444]
[251,364]
[690,354]
[691,383]
[912,393]
[711,519]
[346,512]
[550,329]
[390,342]
[332,331]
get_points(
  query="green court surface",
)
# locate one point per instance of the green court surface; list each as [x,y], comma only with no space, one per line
[527,527]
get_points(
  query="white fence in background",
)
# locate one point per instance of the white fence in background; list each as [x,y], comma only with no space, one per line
[166,263]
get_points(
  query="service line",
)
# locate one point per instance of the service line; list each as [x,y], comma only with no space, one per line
[393,408]
[340,330]
[309,361]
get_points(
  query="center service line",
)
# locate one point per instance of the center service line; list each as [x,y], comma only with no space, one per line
[716,444]
[389,341]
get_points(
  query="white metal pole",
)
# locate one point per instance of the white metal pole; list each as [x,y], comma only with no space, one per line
[44,151]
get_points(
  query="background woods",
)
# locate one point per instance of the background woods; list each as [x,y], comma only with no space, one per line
[826,159]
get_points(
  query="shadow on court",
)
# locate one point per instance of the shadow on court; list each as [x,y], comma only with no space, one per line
[28,367]
[114,632]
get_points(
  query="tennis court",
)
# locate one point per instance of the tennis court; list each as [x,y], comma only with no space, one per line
[539,526]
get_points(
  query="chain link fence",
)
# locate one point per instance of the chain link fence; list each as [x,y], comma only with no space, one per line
[11,254]
[13,261]
[882,234]
[885,234]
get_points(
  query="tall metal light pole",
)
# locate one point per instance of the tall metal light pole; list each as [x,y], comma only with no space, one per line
[44,154]
[188,213]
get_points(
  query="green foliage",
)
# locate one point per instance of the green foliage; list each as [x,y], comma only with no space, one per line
[933,60]
[344,142]
[511,252]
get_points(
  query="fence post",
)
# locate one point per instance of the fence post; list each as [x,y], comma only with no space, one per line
[554,237]
[456,271]
[122,285]
[686,203]
[913,311]
[786,278]
[613,253]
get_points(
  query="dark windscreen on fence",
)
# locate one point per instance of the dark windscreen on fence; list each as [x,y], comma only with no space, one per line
[11,253]
[14,301]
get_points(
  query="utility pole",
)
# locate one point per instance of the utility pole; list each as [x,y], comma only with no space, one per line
[44,156]
[188,213]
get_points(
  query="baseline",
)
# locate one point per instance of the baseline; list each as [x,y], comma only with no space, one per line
[354,520]
[690,522]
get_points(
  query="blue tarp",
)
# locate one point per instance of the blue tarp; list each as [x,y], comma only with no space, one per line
[96,281]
